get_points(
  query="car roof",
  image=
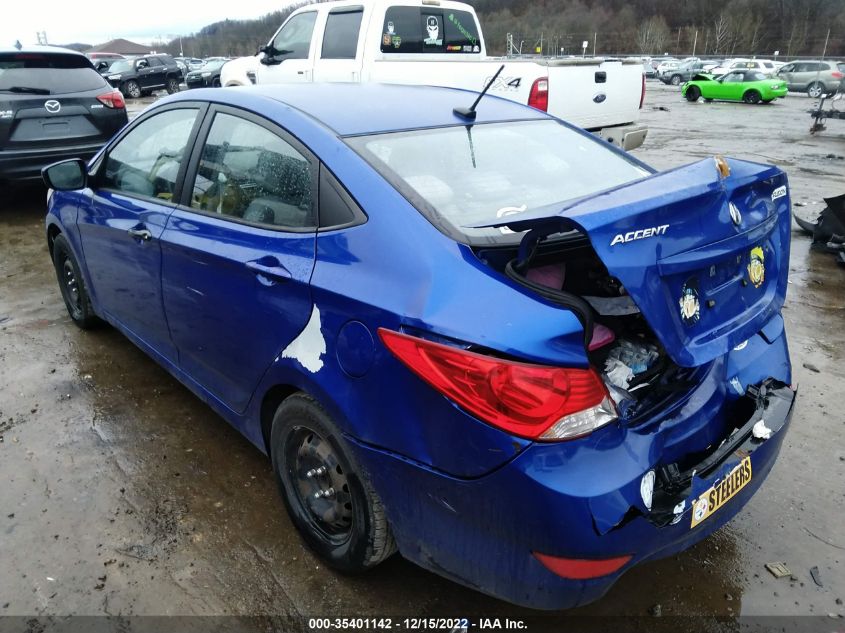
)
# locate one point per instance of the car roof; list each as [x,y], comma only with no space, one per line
[381,107]
[41,49]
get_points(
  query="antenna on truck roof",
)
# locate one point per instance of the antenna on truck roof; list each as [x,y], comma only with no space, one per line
[469,113]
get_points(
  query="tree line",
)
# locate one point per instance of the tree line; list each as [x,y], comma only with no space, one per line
[639,27]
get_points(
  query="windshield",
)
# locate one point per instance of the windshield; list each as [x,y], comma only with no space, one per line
[121,66]
[466,175]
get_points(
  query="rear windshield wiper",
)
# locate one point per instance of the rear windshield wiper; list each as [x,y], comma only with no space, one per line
[27,90]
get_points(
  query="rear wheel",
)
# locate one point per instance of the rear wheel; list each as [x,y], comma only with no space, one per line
[675,80]
[693,93]
[72,285]
[132,89]
[172,85]
[751,96]
[815,90]
[215,82]
[328,498]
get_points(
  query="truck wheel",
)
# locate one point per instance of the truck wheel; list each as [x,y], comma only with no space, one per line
[131,89]
[329,499]
[815,90]
[693,93]
[752,96]
[172,85]
[675,80]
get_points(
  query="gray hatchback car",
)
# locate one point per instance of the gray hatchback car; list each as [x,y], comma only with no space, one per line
[814,77]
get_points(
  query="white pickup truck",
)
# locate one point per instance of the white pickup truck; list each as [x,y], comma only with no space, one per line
[439,43]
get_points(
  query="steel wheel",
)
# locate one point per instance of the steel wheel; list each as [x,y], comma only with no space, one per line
[72,285]
[320,484]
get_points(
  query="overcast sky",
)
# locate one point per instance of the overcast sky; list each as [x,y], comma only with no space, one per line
[140,21]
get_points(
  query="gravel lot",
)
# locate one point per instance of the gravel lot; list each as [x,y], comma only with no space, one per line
[123,494]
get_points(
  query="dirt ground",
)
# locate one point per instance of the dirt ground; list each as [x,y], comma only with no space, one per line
[122,494]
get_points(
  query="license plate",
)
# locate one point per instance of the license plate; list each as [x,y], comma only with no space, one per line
[722,492]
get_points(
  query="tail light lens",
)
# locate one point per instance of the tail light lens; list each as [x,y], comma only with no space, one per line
[837,75]
[113,99]
[581,568]
[531,401]
[642,93]
[539,95]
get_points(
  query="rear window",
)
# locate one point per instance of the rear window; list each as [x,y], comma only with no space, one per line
[47,74]
[340,41]
[429,29]
[471,175]
[755,76]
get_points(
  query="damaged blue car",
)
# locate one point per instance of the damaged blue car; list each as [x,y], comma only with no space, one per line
[483,338]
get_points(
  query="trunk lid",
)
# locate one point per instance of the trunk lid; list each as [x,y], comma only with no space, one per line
[704,257]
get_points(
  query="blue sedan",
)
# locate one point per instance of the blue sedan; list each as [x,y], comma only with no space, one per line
[509,351]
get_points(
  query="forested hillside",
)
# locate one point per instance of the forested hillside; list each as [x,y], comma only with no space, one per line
[650,27]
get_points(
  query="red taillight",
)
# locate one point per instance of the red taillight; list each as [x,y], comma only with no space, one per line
[581,568]
[532,401]
[837,75]
[112,99]
[539,95]
[642,93]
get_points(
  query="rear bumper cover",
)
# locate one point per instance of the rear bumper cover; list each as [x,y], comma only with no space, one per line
[582,499]
[26,164]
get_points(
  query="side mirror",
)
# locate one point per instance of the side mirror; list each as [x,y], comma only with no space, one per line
[67,175]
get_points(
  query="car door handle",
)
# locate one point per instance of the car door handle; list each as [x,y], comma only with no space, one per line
[141,234]
[271,269]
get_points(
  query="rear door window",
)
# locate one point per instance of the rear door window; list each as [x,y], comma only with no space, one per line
[37,73]
[429,29]
[340,41]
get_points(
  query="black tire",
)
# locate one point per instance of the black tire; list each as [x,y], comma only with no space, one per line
[72,285]
[752,96]
[693,93]
[131,89]
[815,90]
[675,80]
[348,529]
[215,83]
[708,101]
[172,85]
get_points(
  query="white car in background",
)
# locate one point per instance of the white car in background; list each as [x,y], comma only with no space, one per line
[765,66]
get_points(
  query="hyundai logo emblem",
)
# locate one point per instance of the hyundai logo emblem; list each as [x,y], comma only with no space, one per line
[736,216]
[600,97]
[52,106]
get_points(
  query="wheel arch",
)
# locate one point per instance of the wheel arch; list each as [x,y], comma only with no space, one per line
[273,397]
[53,230]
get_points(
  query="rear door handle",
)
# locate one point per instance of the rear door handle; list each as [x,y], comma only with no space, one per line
[273,270]
[141,234]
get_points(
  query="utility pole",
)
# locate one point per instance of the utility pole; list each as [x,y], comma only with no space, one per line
[595,37]
[694,42]
[826,39]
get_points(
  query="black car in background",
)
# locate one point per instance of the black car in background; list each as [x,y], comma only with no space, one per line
[683,73]
[140,76]
[102,61]
[53,106]
[207,76]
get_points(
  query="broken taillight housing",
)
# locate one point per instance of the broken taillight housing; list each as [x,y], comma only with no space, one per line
[113,99]
[539,95]
[532,401]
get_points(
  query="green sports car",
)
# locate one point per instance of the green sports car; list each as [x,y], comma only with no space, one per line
[750,86]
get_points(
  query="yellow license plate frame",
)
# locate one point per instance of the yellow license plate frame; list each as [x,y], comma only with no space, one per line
[721,492]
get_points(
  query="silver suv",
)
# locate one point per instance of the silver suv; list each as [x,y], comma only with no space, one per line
[813,76]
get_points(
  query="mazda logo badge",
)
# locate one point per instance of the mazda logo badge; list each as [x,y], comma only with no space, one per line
[52,106]
[736,216]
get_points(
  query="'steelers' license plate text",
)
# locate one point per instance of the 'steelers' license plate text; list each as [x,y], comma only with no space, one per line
[717,496]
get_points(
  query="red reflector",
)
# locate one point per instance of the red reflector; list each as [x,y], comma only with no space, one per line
[581,568]
[113,99]
[520,398]
[539,96]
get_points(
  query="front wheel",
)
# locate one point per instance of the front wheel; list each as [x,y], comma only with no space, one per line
[72,285]
[693,93]
[132,89]
[815,90]
[328,497]
[172,85]
[752,96]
